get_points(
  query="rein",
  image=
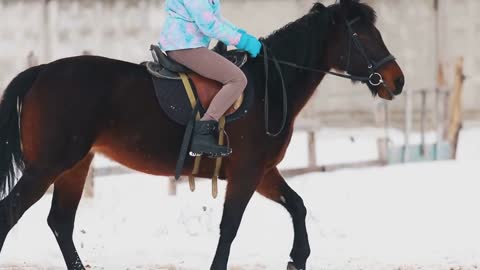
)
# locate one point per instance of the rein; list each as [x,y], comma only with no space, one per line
[284,93]
[374,79]
[363,79]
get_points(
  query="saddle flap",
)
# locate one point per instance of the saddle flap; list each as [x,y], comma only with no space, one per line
[174,101]
[207,89]
[171,92]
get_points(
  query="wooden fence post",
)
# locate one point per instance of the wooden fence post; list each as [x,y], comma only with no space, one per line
[32,59]
[382,121]
[47,34]
[455,124]
[172,186]
[312,151]
[89,190]
[423,118]
[408,125]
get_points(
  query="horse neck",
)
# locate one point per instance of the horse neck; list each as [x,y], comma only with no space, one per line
[297,44]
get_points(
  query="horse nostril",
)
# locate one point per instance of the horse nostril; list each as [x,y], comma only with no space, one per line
[399,83]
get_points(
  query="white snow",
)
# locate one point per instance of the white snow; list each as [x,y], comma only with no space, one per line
[416,216]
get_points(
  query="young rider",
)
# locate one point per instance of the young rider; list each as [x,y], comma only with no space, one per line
[186,35]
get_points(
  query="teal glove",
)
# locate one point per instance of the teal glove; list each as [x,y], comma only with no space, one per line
[250,44]
[241,31]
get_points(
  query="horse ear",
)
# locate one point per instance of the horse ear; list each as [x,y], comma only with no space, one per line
[317,7]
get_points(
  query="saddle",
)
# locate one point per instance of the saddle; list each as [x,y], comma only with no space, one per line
[171,92]
[185,96]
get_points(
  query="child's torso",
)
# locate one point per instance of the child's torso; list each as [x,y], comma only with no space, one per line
[177,8]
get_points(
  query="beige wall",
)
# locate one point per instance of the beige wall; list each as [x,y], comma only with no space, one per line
[124,29]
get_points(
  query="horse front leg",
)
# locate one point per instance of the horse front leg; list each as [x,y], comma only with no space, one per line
[240,188]
[274,187]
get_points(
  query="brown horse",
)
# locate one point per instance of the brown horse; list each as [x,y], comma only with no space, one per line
[75,107]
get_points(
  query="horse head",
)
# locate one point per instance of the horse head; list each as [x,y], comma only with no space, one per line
[358,49]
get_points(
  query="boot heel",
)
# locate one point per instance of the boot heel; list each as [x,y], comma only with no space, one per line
[192,154]
[204,141]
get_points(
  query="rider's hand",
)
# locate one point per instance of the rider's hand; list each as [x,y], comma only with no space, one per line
[250,44]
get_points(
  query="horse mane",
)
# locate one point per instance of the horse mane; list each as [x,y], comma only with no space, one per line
[356,9]
[304,42]
[294,40]
[297,34]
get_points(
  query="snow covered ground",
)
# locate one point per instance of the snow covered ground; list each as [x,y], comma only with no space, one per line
[416,216]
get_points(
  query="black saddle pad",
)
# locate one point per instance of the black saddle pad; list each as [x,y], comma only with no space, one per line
[173,99]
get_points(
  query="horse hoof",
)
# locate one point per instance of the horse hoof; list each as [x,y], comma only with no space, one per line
[290,266]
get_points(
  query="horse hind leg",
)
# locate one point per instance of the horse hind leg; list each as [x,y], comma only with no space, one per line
[30,188]
[68,189]
[276,189]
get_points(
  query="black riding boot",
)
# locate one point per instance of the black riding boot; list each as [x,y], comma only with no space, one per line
[204,141]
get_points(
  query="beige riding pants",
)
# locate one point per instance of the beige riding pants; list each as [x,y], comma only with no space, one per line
[211,65]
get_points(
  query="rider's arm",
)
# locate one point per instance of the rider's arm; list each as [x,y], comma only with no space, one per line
[211,24]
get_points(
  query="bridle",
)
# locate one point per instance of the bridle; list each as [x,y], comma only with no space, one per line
[374,78]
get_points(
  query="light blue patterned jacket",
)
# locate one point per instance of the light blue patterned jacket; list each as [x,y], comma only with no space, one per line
[193,23]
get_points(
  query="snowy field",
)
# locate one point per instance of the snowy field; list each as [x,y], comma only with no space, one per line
[406,217]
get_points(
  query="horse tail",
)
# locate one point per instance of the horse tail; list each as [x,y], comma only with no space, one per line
[11,157]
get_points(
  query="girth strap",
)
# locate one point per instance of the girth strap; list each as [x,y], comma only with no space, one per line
[218,163]
[188,89]
[185,144]
[187,138]
[193,103]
